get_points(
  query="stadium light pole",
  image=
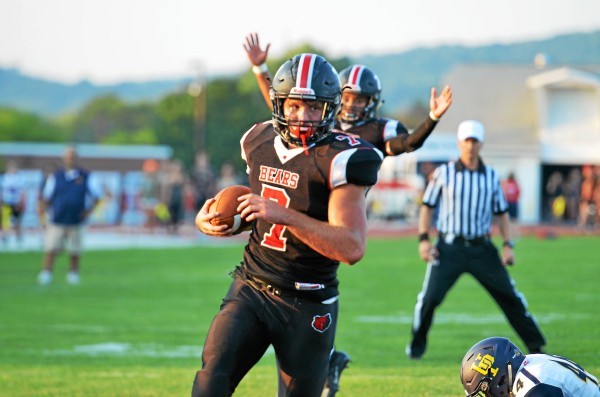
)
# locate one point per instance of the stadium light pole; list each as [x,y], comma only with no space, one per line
[197,90]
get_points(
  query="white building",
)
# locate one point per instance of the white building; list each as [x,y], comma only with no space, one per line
[535,118]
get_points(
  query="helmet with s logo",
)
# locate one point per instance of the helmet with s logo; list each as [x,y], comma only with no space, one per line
[489,366]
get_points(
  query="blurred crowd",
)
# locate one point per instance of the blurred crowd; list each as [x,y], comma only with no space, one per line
[168,195]
[161,195]
[573,197]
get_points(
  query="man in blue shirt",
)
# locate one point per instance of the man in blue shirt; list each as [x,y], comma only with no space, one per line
[70,199]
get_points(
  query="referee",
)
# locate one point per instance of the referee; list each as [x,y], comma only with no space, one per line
[468,193]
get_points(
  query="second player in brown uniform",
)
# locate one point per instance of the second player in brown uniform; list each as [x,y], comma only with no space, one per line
[361,96]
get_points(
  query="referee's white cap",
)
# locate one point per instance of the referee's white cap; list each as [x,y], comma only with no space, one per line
[470,129]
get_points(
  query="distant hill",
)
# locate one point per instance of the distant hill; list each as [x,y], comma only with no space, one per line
[51,98]
[409,75]
[406,76]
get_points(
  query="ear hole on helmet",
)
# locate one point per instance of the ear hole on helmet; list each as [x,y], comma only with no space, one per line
[502,380]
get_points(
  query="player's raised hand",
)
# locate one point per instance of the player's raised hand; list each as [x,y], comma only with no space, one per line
[439,105]
[256,55]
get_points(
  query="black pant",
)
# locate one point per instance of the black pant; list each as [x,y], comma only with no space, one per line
[301,332]
[483,262]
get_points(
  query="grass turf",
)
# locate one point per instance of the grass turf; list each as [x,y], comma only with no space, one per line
[136,324]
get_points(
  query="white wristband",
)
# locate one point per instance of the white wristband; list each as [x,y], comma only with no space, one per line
[260,69]
[432,116]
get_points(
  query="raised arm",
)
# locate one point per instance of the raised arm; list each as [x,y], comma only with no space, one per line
[404,143]
[258,59]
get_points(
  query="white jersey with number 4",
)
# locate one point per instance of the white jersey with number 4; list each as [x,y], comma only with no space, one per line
[545,374]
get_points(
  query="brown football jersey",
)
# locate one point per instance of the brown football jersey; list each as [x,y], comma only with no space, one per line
[302,180]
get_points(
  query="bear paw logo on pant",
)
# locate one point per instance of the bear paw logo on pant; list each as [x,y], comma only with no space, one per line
[321,323]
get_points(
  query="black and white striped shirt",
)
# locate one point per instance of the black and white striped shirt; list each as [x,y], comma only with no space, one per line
[467,199]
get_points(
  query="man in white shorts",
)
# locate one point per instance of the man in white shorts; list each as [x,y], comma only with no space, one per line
[70,199]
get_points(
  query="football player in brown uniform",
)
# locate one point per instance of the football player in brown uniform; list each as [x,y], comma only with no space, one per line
[361,96]
[309,214]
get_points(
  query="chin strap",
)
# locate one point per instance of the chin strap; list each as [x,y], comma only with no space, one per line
[510,379]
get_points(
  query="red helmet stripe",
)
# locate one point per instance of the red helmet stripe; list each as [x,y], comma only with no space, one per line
[305,71]
[355,74]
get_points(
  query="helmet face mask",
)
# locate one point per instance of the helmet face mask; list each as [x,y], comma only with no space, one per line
[487,368]
[482,389]
[308,78]
[360,80]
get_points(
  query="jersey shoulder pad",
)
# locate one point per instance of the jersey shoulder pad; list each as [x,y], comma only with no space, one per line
[256,130]
[357,165]
[393,124]
[257,134]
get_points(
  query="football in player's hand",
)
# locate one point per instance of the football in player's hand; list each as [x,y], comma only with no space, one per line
[226,203]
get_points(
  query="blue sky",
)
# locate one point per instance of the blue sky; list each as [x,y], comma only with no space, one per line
[108,41]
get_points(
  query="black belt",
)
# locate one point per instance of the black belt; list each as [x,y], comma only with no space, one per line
[461,240]
[262,285]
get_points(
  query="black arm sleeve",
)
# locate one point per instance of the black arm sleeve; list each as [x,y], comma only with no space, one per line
[405,143]
[363,167]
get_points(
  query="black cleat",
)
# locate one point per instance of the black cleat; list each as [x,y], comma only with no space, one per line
[414,353]
[337,363]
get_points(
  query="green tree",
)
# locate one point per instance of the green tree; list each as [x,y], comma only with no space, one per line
[231,105]
[140,137]
[106,115]
[231,112]
[21,126]
[175,125]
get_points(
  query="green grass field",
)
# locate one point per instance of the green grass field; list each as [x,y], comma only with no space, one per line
[136,324]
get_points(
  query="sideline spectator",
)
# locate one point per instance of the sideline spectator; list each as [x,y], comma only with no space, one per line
[189,201]
[587,207]
[203,178]
[227,177]
[71,199]
[594,208]
[596,197]
[149,192]
[556,202]
[175,192]
[511,189]
[12,202]
[572,191]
